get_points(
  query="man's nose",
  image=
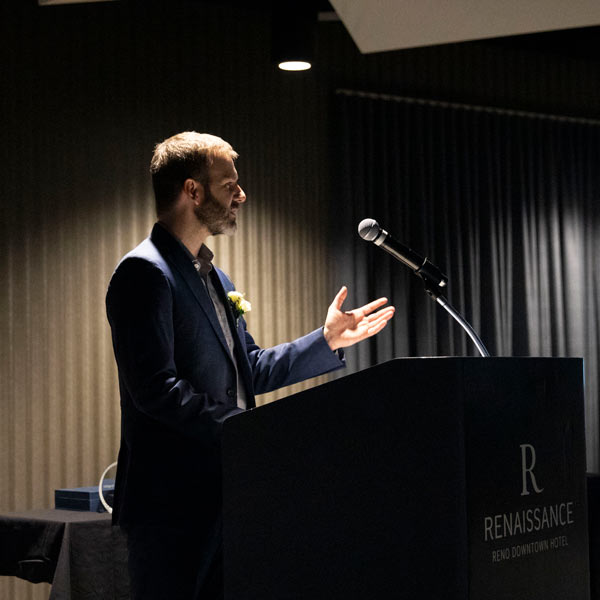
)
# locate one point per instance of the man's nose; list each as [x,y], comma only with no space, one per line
[240,195]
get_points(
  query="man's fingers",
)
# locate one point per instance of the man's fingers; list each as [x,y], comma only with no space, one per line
[373,330]
[387,313]
[377,325]
[340,297]
[381,316]
[369,308]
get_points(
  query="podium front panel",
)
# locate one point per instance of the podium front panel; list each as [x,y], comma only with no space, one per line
[353,490]
[449,478]
[527,505]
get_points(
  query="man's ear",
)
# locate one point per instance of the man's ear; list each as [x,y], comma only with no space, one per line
[193,190]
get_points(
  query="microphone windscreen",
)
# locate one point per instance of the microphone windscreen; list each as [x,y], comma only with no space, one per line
[369,229]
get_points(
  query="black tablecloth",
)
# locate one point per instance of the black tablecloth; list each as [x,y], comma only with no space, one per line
[85,558]
[79,553]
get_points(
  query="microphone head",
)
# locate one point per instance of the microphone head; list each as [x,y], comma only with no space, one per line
[369,230]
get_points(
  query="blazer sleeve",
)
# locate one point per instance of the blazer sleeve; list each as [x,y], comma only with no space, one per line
[291,362]
[139,305]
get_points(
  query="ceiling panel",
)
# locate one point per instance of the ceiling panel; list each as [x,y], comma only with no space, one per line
[379,25]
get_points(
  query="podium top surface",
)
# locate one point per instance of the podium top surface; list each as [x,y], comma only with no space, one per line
[425,367]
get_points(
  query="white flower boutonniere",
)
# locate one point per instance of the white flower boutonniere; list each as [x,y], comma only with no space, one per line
[239,305]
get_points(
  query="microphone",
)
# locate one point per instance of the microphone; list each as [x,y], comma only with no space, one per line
[369,230]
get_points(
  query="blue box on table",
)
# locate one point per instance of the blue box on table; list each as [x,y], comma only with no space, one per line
[84,498]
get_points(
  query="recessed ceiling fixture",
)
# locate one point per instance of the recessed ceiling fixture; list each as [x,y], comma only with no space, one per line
[294,65]
[293,36]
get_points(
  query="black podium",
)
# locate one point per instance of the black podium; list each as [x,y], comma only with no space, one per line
[440,478]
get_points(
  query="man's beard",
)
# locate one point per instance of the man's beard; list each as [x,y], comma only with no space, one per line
[214,216]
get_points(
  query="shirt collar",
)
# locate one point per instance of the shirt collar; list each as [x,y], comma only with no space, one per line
[202,262]
[204,258]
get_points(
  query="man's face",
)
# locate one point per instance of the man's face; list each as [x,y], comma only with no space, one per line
[222,198]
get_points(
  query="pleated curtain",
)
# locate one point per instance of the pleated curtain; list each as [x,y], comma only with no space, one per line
[505,203]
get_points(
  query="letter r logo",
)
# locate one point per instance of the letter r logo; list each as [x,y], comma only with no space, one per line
[527,464]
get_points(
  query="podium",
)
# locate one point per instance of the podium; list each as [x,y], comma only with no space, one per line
[420,478]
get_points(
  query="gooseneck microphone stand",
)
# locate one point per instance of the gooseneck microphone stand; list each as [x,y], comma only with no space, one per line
[443,302]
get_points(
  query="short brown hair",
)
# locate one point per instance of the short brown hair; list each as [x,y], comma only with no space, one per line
[187,155]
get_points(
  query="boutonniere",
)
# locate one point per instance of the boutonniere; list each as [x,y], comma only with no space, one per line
[238,304]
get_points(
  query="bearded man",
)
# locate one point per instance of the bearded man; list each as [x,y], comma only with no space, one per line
[186,363]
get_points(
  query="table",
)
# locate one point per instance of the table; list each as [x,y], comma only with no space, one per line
[79,553]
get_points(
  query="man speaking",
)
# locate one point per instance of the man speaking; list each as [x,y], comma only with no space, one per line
[186,363]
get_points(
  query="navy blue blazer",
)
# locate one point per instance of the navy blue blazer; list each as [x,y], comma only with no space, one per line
[178,384]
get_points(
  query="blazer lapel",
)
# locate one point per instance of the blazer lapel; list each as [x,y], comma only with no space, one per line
[170,249]
[243,365]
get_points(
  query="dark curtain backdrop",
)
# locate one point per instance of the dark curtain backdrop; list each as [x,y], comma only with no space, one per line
[505,203]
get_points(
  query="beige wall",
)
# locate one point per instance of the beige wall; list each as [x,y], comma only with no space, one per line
[87,104]
[59,405]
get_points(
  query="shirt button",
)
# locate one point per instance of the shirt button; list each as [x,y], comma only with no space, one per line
[230,392]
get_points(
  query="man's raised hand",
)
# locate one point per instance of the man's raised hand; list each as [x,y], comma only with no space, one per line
[345,328]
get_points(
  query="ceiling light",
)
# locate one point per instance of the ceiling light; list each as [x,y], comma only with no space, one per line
[294,65]
[293,36]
